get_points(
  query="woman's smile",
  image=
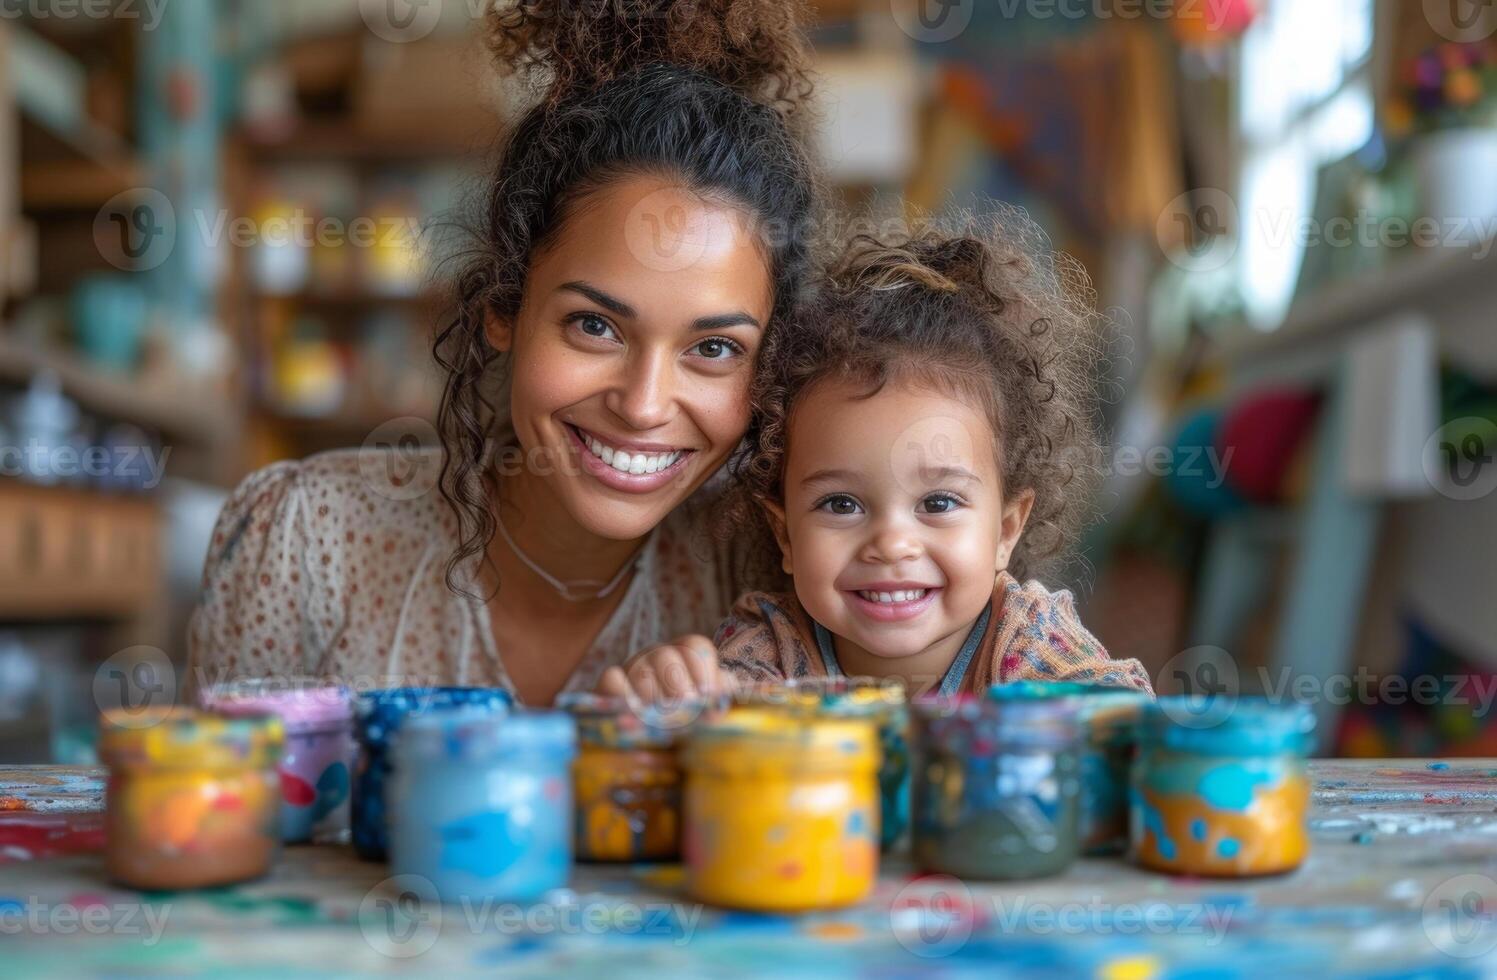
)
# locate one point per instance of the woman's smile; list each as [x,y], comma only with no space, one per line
[628,466]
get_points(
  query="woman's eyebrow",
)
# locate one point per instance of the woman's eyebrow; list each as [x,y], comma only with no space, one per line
[615,306]
[723,321]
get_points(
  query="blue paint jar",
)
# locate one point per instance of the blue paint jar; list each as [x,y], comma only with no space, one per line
[995,786]
[1108,717]
[1220,786]
[481,803]
[378,717]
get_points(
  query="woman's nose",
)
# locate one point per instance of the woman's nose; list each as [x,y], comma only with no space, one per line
[644,396]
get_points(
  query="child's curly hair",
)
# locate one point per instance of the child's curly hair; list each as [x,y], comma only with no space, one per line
[989,311]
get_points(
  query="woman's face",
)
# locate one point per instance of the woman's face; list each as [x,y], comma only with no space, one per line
[633,352]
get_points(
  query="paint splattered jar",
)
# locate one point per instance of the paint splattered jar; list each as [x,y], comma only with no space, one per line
[995,786]
[378,718]
[1220,786]
[627,779]
[1108,717]
[316,767]
[880,701]
[781,811]
[192,799]
[481,803]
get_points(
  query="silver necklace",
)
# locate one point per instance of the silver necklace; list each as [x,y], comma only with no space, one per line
[564,589]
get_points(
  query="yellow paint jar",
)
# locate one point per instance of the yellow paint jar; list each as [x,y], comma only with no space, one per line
[782,812]
[193,799]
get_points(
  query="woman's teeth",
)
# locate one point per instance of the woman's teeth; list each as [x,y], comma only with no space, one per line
[909,595]
[635,463]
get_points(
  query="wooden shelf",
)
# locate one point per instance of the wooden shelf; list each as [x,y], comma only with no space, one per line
[1337,311]
[346,143]
[176,417]
[74,170]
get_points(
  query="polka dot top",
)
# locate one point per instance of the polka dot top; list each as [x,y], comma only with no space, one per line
[335,566]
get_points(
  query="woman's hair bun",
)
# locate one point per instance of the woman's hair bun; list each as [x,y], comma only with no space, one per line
[757,47]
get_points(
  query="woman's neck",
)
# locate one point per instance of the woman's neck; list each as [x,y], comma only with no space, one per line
[920,672]
[542,529]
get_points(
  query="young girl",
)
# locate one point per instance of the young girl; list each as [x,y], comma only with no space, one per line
[921,438]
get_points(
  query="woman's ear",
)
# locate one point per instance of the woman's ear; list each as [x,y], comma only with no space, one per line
[500,331]
[775,514]
[1015,516]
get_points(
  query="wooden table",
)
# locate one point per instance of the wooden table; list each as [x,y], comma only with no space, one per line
[1402,881]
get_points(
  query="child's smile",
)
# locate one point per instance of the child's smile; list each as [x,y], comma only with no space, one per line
[895,523]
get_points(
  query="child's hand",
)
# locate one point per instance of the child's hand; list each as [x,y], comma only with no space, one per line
[684,668]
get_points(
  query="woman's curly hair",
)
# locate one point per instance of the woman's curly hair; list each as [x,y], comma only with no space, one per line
[987,310]
[695,90]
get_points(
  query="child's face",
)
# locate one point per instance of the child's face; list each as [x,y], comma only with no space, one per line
[895,497]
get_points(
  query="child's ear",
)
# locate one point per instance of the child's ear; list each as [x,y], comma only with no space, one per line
[1015,515]
[775,514]
[500,331]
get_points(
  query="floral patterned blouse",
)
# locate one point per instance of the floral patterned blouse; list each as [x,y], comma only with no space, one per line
[334,566]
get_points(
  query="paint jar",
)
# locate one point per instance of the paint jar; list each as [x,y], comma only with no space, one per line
[781,811]
[1108,718]
[378,718]
[995,786]
[317,764]
[1220,786]
[627,780]
[481,803]
[192,800]
[878,700]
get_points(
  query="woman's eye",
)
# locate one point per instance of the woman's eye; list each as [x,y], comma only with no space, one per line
[939,503]
[718,348]
[594,326]
[840,504]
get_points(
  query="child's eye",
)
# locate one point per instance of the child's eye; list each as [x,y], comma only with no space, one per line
[840,504]
[939,503]
[718,348]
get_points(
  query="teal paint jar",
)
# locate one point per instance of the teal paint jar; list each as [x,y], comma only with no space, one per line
[481,803]
[1108,718]
[995,786]
[1221,787]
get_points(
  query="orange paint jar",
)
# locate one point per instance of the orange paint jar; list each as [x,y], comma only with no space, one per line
[782,812]
[193,799]
[1220,787]
[627,778]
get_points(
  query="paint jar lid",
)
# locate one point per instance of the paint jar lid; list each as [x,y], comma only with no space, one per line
[624,723]
[1108,714]
[185,738]
[982,727]
[767,741]
[829,697]
[305,704]
[380,714]
[1227,725]
[474,733]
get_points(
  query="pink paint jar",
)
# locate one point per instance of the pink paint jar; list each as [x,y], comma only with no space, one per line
[316,767]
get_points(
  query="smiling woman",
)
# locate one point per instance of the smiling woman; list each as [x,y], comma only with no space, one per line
[639,243]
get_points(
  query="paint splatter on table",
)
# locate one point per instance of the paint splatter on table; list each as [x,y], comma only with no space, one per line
[1417,897]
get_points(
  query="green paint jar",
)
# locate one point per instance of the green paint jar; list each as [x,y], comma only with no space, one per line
[1108,717]
[995,786]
